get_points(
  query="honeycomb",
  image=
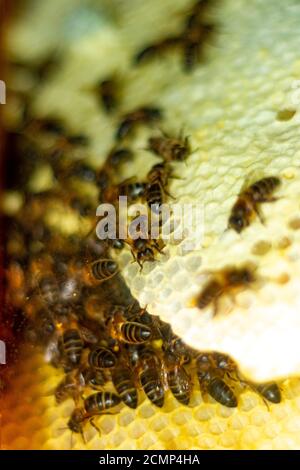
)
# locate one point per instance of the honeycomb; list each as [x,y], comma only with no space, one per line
[240,110]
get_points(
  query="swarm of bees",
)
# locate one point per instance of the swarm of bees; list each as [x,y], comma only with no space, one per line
[106,342]
[69,291]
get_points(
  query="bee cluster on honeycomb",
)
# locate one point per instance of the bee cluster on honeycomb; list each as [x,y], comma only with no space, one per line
[66,287]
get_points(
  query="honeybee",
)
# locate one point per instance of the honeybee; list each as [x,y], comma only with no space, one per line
[152,50]
[144,250]
[133,357]
[247,204]
[223,363]
[129,332]
[130,188]
[142,115]
[178,379]
[95,404]
[211,383]
[92,378]
[77,418]
[72,343]
[123,381]
[69,387]
[117,156]
[157,179]
[175,345]
[150,376]
[194,39]
[82,171]
[72,346]
[49,125]
[227,280]
[116,244]
[61,141]
[100,271]
[170,148]
[102,358]
[107,90]
[135,313]
[270,391]
[100,401]
[54,283]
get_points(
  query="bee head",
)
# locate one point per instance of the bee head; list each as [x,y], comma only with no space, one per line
[237,222]
[140,244]
[203,363]
[147,254]
[180,152]
[74,423]
[117,244]
[246,276]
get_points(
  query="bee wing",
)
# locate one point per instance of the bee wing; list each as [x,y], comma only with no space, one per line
[255,174]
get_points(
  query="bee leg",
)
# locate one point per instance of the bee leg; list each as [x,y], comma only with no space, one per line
[129,309]
[266,403]
[204,393]
[155,244]
[135,260]
[255,390]
[92,423]
[169,194]
[143,310]
[259,215]
[139,263]
[216,307]
[270,199]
